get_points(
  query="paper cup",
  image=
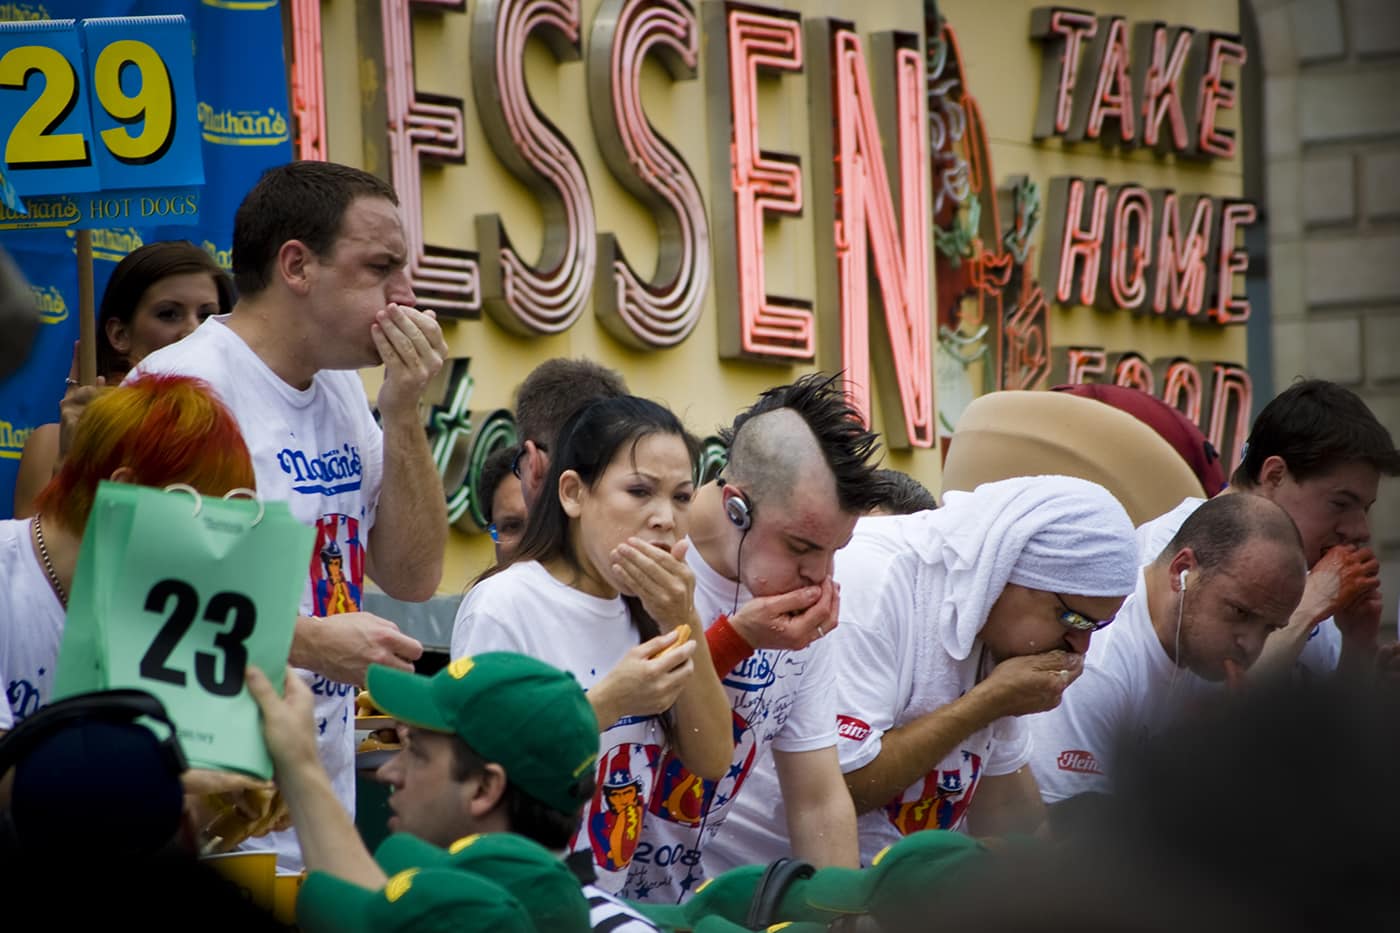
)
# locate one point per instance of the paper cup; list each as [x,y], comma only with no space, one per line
[254,873]
[285,889]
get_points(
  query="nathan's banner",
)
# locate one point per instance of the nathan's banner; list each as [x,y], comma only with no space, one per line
[97,123]
[177,594]
[239,120]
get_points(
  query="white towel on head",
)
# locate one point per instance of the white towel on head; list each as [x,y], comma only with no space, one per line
[1055,533]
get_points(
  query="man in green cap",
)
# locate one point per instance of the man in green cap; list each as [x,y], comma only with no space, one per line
[495,743]
[413,901]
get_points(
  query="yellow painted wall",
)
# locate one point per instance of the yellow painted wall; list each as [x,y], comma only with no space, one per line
[1003,67]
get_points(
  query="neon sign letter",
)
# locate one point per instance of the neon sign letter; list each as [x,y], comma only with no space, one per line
[548,297]
[1133,371]
[1209,92]
[663,311]
[1062,32]
[1156,86]
[1182,386]
[308,80]
[1178,277]
[762,182]
[1228,260]
[423,127]
[1075,238]
[1110,95]
[1129,248]
[1232,395]
[862,211]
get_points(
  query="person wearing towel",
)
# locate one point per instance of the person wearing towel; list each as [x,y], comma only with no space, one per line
[953,623]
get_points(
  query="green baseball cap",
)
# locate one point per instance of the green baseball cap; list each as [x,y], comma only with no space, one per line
[536,877]
[721,925]
[726,896]
[529,717]
[908,871]
[903,874]
[412,901]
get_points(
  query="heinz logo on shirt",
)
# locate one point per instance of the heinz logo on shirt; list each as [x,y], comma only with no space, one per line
[330,473]
[1079,760]
[849,727]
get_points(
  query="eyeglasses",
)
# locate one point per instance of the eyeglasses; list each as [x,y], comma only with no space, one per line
[495,535]
[1078,621]
[520,452]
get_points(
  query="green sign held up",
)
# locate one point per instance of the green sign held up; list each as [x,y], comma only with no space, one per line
[176,595]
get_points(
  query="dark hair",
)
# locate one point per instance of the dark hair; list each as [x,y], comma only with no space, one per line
[493,473]
[591,440]
[301,200]
[846,443]
[138,271]
[1221,526]
[1316,426]
[902,494]
[527,816]
[588,444]
[554,391]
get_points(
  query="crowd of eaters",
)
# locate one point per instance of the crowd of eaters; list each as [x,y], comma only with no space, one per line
[802,691]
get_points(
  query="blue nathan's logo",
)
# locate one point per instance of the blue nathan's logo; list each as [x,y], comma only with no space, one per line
[242,127]
[755,673]
[330,473]
[24,698]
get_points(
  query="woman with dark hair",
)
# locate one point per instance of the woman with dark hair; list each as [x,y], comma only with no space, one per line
[599,587]
[158,294]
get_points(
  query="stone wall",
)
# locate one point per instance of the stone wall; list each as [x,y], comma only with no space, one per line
[1332,154]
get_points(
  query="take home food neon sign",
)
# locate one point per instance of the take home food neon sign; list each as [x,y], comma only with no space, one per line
[1125,246]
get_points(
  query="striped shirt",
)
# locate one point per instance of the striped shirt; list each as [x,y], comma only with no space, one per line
[609,914]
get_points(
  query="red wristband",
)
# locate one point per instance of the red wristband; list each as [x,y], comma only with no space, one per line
[727,646]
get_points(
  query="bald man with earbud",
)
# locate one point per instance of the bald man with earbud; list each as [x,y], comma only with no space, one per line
[1197,620]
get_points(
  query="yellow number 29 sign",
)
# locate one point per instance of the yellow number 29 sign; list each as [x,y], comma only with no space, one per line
[98,119]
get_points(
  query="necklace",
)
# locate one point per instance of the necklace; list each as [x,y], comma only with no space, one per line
[48,562]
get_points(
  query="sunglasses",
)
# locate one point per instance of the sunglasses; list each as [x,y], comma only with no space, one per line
[1078,621]
[520,452]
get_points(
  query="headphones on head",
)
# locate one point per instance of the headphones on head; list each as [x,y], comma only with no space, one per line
[777,877]
[737,507]
[114,706]
[1182,578]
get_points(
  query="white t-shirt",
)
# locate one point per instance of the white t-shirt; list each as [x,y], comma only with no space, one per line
[524,609]
[1321,651]
[31,626]
[781,701]
[888,674]
[319,450]
[1129,692]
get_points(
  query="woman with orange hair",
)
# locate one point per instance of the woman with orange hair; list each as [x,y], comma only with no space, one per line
[155,431]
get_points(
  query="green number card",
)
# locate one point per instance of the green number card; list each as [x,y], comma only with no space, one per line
[177,596]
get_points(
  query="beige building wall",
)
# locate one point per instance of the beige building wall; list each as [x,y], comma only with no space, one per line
[1332,150]
[1330,118]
